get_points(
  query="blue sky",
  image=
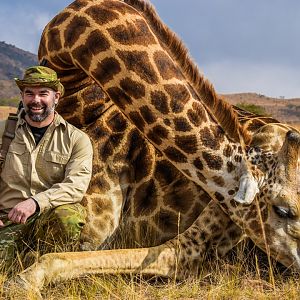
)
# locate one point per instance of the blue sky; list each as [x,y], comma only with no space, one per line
[240,45]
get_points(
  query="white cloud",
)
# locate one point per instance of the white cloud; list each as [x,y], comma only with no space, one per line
[267,79]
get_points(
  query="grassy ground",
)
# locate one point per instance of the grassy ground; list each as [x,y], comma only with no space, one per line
[243,275]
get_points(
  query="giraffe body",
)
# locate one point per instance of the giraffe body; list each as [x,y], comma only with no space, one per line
[157,124]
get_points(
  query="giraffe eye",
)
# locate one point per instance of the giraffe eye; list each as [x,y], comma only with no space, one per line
[282,212]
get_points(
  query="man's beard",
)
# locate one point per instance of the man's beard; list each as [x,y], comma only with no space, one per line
[39,117]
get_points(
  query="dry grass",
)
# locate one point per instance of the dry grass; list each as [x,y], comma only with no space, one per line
[243,275]
[5,110]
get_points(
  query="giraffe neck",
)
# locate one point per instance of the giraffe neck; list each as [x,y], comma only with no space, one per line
[113,43]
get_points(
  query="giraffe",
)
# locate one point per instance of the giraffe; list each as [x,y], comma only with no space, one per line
[146,72]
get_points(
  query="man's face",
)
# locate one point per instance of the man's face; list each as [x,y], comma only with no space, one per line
[39,102]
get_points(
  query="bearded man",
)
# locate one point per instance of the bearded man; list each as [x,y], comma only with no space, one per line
[47,170]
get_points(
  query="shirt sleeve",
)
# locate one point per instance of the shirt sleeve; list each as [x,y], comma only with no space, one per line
[76,181]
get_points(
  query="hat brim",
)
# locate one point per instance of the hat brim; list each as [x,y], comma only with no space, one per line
[54,85]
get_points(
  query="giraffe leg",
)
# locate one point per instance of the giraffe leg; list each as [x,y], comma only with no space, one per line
[174,258]
[213,230]
[54,267]
[103,216]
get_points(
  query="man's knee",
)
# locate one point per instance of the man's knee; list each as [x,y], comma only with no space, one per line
[69,220]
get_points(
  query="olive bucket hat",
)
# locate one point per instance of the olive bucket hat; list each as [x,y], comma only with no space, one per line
[40,76]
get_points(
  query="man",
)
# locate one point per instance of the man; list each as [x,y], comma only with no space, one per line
[46,171]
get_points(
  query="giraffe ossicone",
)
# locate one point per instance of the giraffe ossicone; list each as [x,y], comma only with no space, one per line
[169,153]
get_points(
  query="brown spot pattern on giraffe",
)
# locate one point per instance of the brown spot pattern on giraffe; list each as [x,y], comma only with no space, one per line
[179,96]
[166,220]
[157,134]
[218,180]
[178,195]
[132,88]
[119,97]
[119,7]
[219,196]
[74,30]
[98,131]
[78,5]
[54,42]
[145,200]
[106,70]
[230,167]
[231,192]
[227,152]
[208,139]
[201,177]
[198,164]
[137,120]
[182,124]
[165,173]
[139,63]
[147,114]
[214,162]
[167,122]
[59,19]
[138,155]
[116,122]
[166,67]
[238,158]
[186,172]
[128,35]
[106,149]
[197,114]
[96,42]
[175,155]
[187,143]
[160,101]
[101,15]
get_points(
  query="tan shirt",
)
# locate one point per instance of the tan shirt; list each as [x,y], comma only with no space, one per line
[57,171]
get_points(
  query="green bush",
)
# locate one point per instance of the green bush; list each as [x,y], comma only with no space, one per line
[14,102]
[255,109]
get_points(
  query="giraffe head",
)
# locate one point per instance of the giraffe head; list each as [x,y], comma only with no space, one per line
[273,220]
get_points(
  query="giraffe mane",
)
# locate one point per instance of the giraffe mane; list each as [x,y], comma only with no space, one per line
[219,109]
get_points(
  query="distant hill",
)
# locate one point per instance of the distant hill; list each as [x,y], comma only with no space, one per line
[285,110]
[13,62]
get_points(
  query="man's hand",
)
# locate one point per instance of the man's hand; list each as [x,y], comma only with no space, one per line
[22,211]
[1,224]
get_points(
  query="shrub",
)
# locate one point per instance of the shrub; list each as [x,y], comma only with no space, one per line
[14,102]
[256,109]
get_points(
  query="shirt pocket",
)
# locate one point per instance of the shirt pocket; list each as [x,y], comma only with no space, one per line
[16,162]
[55,164]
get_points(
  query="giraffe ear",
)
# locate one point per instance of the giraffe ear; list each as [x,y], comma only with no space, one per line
[247,190]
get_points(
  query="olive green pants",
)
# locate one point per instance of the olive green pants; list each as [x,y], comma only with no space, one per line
[53,231]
